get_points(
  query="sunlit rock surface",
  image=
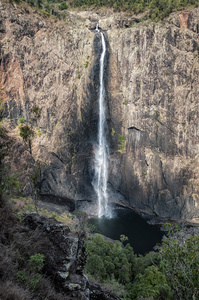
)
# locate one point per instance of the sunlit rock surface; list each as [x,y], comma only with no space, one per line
[152,97]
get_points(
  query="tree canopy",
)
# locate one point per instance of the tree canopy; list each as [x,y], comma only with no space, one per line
[156,9]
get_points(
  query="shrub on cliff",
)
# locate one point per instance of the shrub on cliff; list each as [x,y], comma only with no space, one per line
[26,132]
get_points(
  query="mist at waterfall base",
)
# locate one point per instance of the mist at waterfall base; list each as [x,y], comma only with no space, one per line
[141,236]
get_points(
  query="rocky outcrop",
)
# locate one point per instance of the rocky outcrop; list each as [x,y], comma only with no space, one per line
[65,258]
[152,94]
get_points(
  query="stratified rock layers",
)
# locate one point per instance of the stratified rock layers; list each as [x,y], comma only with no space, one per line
[152,93]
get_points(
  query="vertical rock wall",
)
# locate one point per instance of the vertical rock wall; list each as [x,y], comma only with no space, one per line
[47,64]
[152,92]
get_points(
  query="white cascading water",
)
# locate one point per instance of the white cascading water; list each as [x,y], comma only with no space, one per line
[101,152]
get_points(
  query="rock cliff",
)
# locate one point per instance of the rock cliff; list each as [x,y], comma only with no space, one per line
[43,259]
[152,94]
[65,259]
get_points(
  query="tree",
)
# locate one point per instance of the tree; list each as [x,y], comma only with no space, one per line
[151,284]
[117,260]
[26,132]
[123,238]
[95,266]
[180,265]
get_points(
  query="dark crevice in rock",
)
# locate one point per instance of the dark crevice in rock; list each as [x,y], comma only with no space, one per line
[163,175]
[135,128]
[69,203]
[54,154]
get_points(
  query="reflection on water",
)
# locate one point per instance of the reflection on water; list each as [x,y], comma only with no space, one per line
[141,236]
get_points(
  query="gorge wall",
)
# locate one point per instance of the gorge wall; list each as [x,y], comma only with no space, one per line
[152,93]
[154,105]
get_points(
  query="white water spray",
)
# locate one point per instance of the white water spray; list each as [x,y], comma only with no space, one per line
[96,28]
[101,153]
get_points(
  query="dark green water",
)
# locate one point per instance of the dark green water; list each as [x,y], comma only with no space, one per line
[141,236]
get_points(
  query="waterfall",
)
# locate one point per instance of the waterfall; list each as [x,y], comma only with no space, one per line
[101,152]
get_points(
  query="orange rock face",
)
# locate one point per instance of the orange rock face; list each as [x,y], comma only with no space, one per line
[183,18]
[11,79]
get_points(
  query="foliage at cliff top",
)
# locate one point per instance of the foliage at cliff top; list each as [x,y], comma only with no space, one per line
[156,9]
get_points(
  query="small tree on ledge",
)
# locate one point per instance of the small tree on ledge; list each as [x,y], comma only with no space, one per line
[26,132]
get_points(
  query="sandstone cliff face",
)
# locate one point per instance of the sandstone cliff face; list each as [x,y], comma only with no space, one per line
[152,94]
[47,64]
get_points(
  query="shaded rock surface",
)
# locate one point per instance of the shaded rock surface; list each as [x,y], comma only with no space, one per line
[65,259]
[65,256]
[152,99]
[153,87]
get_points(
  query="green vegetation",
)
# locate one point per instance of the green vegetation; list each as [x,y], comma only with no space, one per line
[171,228]
[111,262]
[86,64]
[25,205]
[36,112]
[121,139]
[171,273]
[25,132]
[21,121]
[121,144]
[180,264]
[32,277]
[151,284]
[155,9]
[63,6]
[158,9]
[1,107]
[22,276]
[111,259]
[55,127]
[112,132]
[39,132]
[9,183]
